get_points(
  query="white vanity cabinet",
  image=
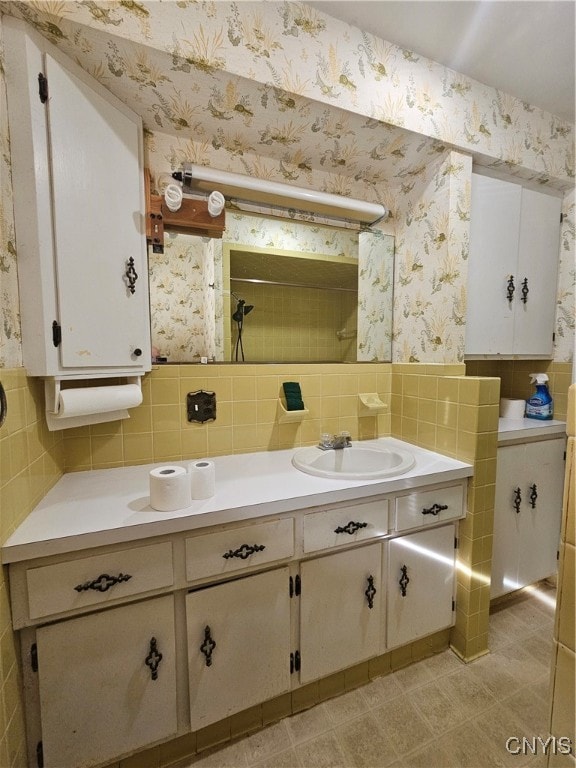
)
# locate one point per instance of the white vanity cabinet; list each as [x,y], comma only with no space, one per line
[238,636]
[77,161]
[512,269]
[527,513]
[421,583]
[107,683]
[127,645]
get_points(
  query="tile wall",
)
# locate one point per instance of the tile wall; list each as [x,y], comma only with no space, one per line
[296,323]
[31,461]
[515,377]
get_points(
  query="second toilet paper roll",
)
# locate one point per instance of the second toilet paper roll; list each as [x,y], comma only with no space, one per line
[512,409]
[202,479]
[169,489]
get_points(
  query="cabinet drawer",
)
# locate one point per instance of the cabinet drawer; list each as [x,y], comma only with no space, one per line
[429,507]
[99,579]
[345,525]
[223,552]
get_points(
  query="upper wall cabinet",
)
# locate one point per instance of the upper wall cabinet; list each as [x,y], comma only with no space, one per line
[512,270]
[77,171]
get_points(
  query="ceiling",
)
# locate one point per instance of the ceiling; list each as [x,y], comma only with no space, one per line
[522,47]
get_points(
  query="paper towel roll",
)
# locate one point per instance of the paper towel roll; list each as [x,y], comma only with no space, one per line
[202,479]
[512,409]
[169,489]
[81,401]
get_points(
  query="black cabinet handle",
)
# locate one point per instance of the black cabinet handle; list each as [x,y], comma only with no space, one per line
[525,291]
[244,551]
[533,496]
[3,405]
[103,583]
[370,592]
[510,288]
[404,580]
[153,659]
[434,509]
[131,275]
[350,527]
[517,500]
[208,646]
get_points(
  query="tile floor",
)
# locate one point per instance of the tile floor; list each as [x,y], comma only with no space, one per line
[437,713]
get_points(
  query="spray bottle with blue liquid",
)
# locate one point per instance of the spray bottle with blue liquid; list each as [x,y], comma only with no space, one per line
[540,405]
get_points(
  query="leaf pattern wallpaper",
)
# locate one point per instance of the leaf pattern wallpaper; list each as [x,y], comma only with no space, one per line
[281,91]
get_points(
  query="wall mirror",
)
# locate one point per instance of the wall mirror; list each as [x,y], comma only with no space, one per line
[273,290]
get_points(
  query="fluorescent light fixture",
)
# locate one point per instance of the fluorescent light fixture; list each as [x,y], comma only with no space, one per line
[197,178]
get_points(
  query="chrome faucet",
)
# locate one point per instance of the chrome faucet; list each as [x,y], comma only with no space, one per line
[335,442]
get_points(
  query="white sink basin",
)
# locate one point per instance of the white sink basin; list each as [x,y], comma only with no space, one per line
[357,462]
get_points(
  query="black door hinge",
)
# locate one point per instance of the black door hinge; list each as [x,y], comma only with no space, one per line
[40,754]
[453,605]
[295,586]
[294,662]
[34,657]
[43,87]
[455,542]
[56,333]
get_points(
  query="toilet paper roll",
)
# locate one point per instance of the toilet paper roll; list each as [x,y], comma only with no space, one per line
[82,401]
[169,489]
[202,479]
[512,409]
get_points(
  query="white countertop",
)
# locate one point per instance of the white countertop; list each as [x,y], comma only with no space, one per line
[107,506]
[526,430]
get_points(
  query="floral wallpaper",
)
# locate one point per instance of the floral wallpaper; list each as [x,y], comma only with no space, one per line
[431,251]
[281,91]
[10,339]
[566,305]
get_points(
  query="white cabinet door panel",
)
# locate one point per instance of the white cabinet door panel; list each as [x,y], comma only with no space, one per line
[98,697]
[98,224]
[493,257]
[538,264]
[249,622]
[544,468]
[420,584]
[338,627]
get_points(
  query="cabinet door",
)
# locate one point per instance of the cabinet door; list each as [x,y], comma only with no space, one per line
[494,232]
[526,537]
[99,696]
[238,645]
[98,225]
[420,584]
[506,538]
[540,524]
[537,264]
[340,610]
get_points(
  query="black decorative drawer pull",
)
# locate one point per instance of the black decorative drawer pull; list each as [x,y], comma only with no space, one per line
[103,583]
[153,659]
[208,646]
[525,290]
[244,551]
[404,580]
[131,275]
[370,592]
[517,500]
[533,496]
[510,288]
[434,509]
[350,527]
